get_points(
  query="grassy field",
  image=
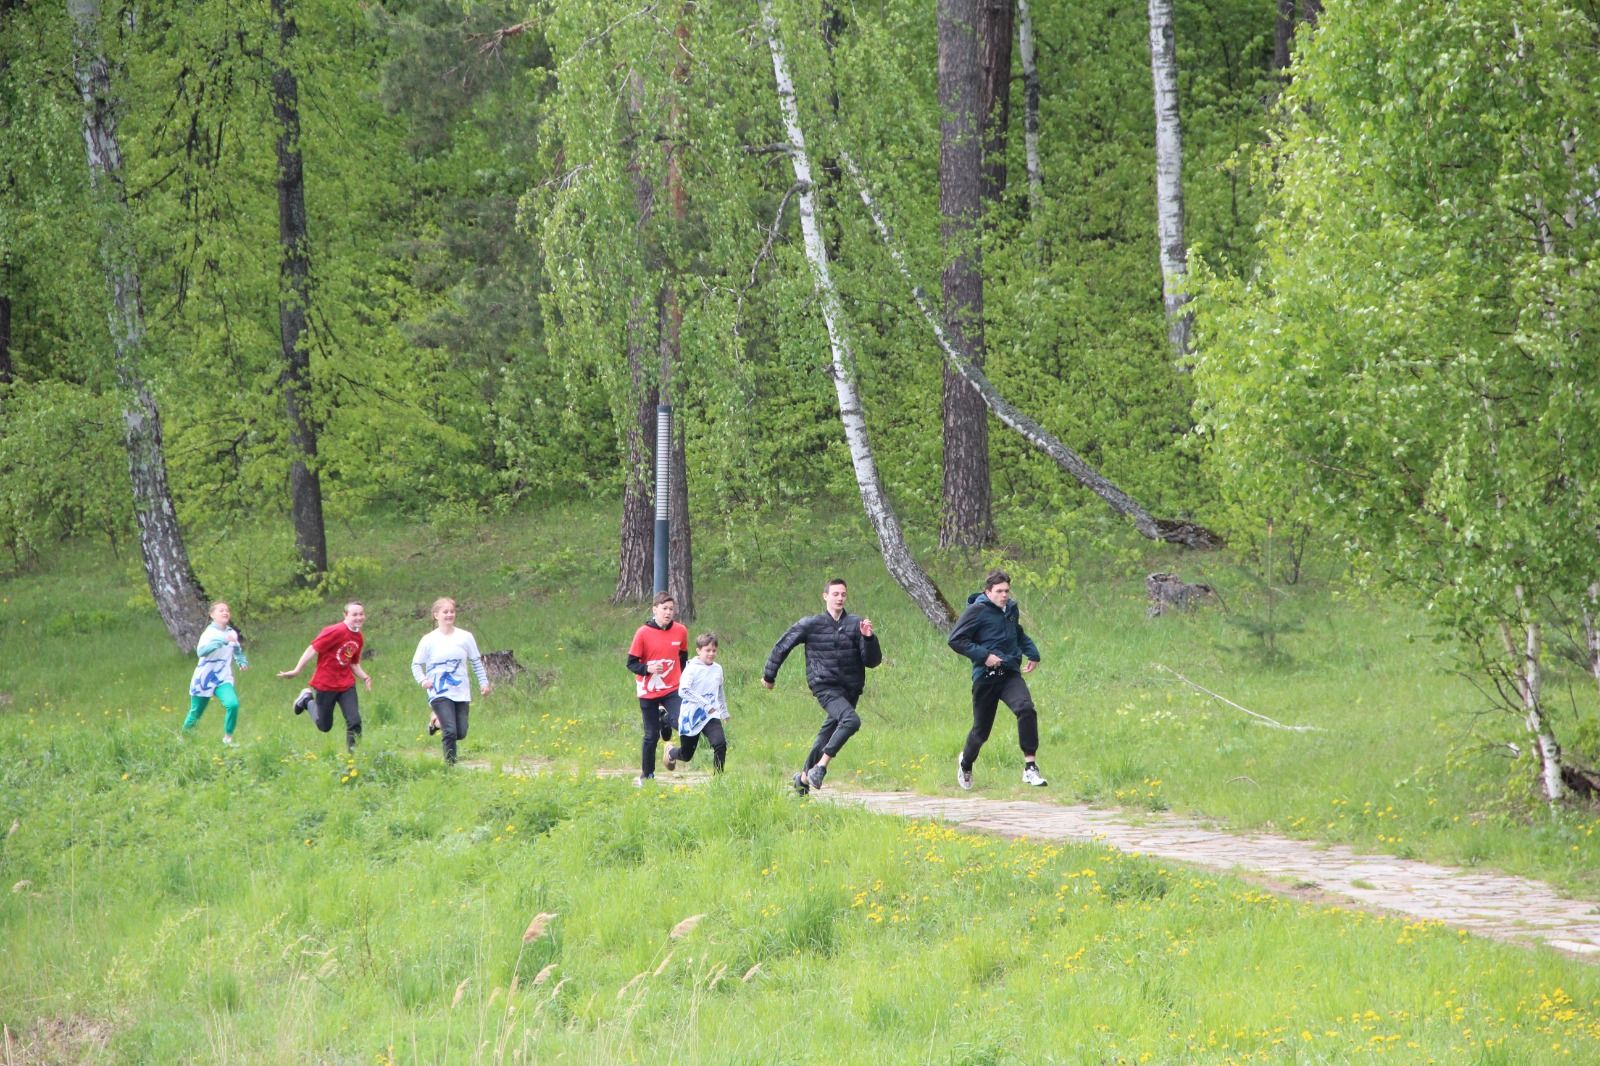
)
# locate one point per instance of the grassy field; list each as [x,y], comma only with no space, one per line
[177,902]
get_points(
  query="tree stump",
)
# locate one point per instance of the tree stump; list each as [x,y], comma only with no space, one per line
[1168,591]
[502,665]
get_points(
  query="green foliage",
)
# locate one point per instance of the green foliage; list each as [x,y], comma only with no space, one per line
[1405,365]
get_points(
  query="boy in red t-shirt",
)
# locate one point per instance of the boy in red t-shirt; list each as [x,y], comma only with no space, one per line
[657,656]
[337,650]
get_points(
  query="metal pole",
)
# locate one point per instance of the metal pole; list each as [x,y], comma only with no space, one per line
[663,489]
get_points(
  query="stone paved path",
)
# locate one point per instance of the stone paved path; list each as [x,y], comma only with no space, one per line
[1488,904]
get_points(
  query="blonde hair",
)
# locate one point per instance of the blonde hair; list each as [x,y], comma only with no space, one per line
[215,604]
[440,602]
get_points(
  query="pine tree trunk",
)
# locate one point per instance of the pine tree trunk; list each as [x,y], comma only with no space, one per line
[965,520]
[891,542]
[1169,178]
[178,596]
[1030,107]
[1310,11]
[635,557]
[1175,532]
[1283,37]
[294,307]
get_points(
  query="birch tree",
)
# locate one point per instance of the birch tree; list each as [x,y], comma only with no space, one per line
[1030,106]
[891,541]
[178,595]
[1169,178]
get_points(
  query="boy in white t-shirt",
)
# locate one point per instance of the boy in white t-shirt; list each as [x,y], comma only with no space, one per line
[704,706]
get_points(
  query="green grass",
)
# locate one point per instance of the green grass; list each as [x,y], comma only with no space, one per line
[189,904]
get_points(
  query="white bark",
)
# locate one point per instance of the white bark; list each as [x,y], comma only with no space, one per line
[1030,107]
[1591,634]
[891,542]
[178,595]
[1169,178]
[1529,682]
[1067,459]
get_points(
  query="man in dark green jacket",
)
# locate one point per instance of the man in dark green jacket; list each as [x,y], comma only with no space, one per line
[989,632]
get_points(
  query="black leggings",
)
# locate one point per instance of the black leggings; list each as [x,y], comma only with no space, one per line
[322,713]
[715,736]
[452,715]
[656,717]
[988,692]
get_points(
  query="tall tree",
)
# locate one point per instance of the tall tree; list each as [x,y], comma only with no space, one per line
[1030,107]
[178,595]
[966,520]
[680,548]
[1169,178]
[294,305]
[891,541]
[1283,36]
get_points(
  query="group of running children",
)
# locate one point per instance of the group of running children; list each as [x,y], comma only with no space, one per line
[675,691]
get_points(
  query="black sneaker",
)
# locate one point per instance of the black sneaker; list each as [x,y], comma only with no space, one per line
[672,758]
[815,776]
[802,784]
[433,726]
[302,701]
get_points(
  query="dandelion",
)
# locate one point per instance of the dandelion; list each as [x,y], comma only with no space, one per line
[537,927]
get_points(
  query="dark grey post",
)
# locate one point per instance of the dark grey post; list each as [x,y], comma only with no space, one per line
[663,487]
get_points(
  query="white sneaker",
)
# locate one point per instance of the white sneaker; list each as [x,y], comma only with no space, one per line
[963,776]
[1032,776]
[639,781]
[228,740]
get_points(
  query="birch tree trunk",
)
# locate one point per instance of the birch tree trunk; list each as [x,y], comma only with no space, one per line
[965,520]
[891,542]
[179,598]
[1176,532]
[294,308]
[1030,107]
[1169,178]
[1529,684]
[1591,633]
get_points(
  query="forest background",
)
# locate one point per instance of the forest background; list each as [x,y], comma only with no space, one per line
[441,259]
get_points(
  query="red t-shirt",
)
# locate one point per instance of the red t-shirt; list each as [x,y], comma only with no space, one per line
[338,649]
[659,645]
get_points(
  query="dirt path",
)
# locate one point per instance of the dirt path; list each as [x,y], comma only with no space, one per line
[1488,904]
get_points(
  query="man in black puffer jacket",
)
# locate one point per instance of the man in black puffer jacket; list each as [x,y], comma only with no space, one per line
[989,632]
[839,649]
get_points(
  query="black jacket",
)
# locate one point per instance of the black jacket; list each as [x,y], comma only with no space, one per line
[837,655]
[984,629]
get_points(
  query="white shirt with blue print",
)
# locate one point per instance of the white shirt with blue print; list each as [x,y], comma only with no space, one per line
[446,658]
[217,656]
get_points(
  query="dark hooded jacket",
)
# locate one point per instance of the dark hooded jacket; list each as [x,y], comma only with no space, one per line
[984,629]
[837,655]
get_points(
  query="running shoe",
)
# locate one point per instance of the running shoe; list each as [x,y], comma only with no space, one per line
[1032,776]
[802,784]
[302,701]
[672,757]
[815,776]
[963,775]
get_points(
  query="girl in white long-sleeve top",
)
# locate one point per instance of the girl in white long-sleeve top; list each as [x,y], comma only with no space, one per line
[220,651]
[440,666]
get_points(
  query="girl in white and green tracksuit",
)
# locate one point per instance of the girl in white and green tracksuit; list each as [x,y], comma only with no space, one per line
[219,650]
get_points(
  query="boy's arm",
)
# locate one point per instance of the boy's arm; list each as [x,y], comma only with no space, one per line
[305,657]
[961,641]
[795,634]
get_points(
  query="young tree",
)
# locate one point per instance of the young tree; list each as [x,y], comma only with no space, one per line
[294,305]
[1169,178]
[891,541]
[1410,348]
[178,595]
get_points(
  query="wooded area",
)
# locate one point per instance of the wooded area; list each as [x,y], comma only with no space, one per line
[1238,262]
